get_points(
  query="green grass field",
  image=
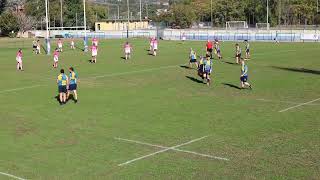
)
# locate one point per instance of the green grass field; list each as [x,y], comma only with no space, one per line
[155,100]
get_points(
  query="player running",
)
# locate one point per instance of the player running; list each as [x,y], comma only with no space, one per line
[193,58]
[72,46]
[201,67]
[151,44]
[244,75]
[34,46]
[73,80]
[207,69]
[56,58]
[247,49]
[155,46]
[218,49]
[94,52]
[19,60]
[209,48]
[127,50]
[62,82]
[38,48]
[238,53]
[60,44]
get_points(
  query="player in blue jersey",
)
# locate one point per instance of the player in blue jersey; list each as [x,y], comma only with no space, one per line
[247,49]
[62,82]
[207,69]
[193,58]
[244,75]
[73,81]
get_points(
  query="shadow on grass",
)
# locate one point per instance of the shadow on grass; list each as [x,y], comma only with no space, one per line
[232,63]
[231,85]
[195,80]
[301,70]
[185,67]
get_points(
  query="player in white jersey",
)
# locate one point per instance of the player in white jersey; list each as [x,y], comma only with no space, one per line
[72,46]
[127,50]
[155,46]
[19,60]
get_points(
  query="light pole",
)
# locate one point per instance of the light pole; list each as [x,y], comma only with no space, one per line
[140,11]
[211,14]
[61,18]
[268,15]
[85,27]
[128,18]
[47,26]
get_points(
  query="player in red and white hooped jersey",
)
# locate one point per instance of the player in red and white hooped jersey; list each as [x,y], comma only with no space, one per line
[155,46]
[95,42]
[60,44]
[127,50]
[55,58]
[19,60]
[151,44]
[94,52]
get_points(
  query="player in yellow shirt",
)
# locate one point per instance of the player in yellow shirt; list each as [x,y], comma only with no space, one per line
[62,82]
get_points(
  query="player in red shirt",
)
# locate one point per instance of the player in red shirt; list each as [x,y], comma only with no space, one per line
[209,48]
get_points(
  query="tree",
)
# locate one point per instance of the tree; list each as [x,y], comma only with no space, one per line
[8,23]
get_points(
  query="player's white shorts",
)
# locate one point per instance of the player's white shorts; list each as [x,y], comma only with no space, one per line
[72,43]
[19,60]
[55,58]
[94,53]
[95,43]
[127,51]
[155,47]
[184,38]
[60,46]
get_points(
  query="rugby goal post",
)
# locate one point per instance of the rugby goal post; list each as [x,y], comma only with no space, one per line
[230,25]
[264,26]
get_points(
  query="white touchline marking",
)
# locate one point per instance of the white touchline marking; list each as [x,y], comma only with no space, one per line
[299,105]
[18,89]
[161,151]
[10,175]
[175,149]
[288,102]
[100,76]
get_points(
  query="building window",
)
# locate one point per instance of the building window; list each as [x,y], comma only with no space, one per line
[99,27]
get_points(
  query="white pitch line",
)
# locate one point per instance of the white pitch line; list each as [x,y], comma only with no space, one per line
[288,102]
[95,77]
[161,151]
[19,89]
[175,149]
[10,175]
[299,105]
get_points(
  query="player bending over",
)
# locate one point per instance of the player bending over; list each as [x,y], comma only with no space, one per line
[62,82]
[244,75]
[247,49]
[55,58]
[193,58]
[60,44]
[127,50]
[238,53]
[94,52]
[155,46]
[19,60]
[73,77]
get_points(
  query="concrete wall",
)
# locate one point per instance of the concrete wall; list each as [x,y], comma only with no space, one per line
[119,26]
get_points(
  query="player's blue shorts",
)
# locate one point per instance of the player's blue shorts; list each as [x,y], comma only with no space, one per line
[244,78]
[62,89]
[72,87]
[193,60]
[207,71]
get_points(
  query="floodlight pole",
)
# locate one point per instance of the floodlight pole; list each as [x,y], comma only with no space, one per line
[47,26]
[85,27]
[268,15]
[128,19]
[140,11]
[211,14]
[61,18]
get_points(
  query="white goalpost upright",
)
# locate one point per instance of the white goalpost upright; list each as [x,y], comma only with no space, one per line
[231,25]
[47,31]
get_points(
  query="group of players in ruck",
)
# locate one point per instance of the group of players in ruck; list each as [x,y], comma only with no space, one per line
[205,63]
[68,84]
